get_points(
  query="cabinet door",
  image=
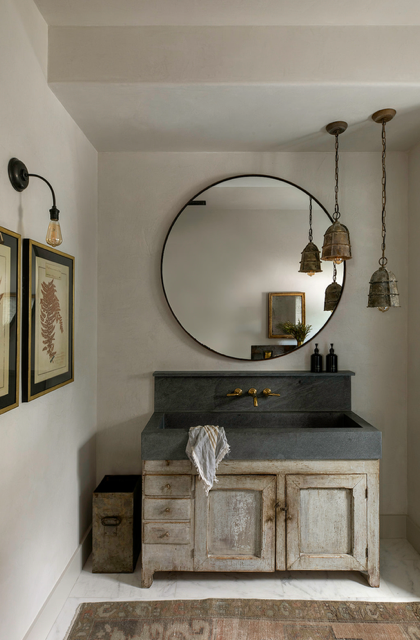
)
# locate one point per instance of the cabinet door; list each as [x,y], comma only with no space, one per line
[326,521]
[234,525]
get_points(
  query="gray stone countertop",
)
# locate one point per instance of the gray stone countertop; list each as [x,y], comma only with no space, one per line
[247,374]
[258,438]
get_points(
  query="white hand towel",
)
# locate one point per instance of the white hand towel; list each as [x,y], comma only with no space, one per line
[206,447]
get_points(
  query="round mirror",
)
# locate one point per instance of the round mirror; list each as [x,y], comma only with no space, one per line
[230,267]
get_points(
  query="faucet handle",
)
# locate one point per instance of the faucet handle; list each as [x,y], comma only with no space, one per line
[267,392]
[237,392]
[253,392]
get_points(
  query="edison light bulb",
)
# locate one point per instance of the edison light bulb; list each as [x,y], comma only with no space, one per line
[383,309]
[54,237]
[311,273]
[338,260]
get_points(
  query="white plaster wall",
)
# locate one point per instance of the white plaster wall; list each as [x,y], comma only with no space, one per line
[47,469]
[413,339]
[139,196]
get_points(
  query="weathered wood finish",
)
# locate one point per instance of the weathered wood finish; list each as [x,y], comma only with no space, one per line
[264,467]
[167,533]
[326,522]
[167,543]
[234,526]
[318,513]
[373,528]
[162,509]
[167,485]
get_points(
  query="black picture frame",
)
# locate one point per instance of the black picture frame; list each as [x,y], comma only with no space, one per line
[48,320]
[10,294]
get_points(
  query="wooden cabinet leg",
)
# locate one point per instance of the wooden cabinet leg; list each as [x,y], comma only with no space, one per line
[146,580]
[374,578]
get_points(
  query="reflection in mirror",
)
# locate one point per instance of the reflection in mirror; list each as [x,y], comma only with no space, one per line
[282,308]
[228,249]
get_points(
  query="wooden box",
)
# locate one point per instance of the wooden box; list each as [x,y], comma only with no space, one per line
[116,527]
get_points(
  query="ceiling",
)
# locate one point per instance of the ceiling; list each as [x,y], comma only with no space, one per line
[243,75]
[229,12]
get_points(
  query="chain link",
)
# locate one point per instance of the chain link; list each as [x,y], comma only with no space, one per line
[336,214]
[334,272]
[310,220]
[383,260]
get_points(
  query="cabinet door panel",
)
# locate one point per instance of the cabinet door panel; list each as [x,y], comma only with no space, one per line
[240,532]
[326,522]
[235,524]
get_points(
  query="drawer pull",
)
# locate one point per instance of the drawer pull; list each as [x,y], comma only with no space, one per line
[167,486]
[164,535]
[111,521]
[167,510]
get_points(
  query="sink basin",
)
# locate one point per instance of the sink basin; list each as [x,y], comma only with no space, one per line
[267,420]
[269,435]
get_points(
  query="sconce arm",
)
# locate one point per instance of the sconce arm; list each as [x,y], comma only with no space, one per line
[19,178]
[35,175]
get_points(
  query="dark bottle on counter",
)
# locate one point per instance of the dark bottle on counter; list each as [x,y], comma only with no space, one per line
[316,360]
[331,361]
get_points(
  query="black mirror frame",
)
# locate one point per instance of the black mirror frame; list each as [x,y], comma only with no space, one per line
[246,175]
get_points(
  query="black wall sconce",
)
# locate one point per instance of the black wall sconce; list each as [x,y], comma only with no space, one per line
[19,178]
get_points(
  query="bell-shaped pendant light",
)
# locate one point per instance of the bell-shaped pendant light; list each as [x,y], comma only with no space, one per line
[310,262]
[332,292]
[337,237]
[383,290]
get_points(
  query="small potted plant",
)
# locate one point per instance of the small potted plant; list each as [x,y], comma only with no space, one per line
[299,330]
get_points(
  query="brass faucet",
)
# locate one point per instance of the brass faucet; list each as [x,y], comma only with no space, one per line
[253,392]
[267,392]
[237,392]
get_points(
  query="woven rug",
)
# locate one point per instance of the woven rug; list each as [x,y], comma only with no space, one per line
[246,620]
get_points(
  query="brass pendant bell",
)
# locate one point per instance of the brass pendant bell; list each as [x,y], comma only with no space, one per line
[332,296]
[310,262]
[383,290]
[336,245]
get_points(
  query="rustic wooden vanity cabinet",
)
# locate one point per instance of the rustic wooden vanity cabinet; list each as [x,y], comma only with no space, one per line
[262,515]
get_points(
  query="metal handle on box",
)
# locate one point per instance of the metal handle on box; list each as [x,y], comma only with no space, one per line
[111,521]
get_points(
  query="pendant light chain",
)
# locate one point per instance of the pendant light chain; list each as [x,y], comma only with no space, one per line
[336,214]
[310,220]
[334,272]
[383,260]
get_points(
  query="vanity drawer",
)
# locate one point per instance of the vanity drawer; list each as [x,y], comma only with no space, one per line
[161,509]
[170,533]
[167,485]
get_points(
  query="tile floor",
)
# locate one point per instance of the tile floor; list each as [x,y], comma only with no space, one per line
[400,582]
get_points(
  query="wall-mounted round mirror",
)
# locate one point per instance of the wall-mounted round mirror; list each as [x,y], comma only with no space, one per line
[230,266]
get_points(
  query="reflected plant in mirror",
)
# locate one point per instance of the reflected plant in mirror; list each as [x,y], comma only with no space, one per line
[298,330]
[228,248]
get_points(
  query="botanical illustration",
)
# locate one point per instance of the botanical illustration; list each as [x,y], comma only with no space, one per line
[5,258]
[51,349]
[50,316]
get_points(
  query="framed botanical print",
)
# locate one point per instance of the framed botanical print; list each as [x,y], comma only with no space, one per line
[10,245]
[48,320]
[284,307]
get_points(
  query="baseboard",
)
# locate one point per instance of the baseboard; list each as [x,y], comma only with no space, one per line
[45,619]
[413,534]
[393,526]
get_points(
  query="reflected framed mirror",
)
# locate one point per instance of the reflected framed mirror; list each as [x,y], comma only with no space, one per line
[232,257]
[285,307]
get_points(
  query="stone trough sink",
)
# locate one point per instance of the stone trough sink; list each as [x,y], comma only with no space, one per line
[310,420]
